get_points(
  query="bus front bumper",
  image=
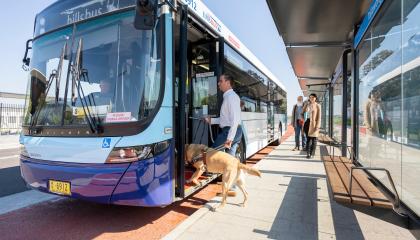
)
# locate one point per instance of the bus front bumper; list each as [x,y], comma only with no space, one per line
[143,183]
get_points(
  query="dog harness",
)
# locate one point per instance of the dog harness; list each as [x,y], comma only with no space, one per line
[203,156]
[200,157]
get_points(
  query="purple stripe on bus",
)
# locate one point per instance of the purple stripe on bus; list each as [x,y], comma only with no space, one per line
[92,182]
[145,183]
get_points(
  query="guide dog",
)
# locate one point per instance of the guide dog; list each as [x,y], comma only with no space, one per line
[204,158]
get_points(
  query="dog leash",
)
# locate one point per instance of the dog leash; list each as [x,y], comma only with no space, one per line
[209,127]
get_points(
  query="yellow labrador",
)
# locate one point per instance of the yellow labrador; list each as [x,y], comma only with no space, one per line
[219,162]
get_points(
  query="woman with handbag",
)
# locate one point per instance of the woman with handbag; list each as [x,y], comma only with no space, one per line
[297,121]
[312,124]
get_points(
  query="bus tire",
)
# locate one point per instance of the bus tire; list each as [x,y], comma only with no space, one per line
[240,151]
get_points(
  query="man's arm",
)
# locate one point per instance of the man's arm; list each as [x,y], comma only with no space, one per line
[212,121]
[235,115]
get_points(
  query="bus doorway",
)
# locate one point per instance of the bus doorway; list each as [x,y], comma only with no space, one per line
[204,101]
[198,66]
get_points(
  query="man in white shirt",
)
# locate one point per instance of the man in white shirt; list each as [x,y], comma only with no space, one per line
[230,117]
[229,120]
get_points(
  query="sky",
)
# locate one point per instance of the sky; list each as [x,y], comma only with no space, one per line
[256,31]
[252,23]
[13,40]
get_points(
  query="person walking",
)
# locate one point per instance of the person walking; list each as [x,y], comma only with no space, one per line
[229,120]
[298,121]
[312,124]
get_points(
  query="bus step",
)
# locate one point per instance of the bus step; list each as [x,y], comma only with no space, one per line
[203,182]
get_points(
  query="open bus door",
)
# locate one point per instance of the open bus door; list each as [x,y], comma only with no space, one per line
[204,100]
[202,61]
[205,96]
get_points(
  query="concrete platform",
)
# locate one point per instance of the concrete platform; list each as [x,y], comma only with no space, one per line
[9,141]
[290,201]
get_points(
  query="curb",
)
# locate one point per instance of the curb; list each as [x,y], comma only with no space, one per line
[23,199]
[181,228]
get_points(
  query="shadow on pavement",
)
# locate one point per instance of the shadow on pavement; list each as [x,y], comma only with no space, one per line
[11,182]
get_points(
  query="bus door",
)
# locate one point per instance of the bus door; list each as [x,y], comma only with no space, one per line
[203,101]
[197,96]
[204,69]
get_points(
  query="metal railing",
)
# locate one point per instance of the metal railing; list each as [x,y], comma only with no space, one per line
[333,144]
[11,118]
[396,200]
[349,149]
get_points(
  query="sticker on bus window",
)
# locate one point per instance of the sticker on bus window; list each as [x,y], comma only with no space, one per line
[96,110]
[118,117]
[205,74]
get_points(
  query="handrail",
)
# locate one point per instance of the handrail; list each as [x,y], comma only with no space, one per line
[209,127]
[341,144]
[332,144]
[396,203]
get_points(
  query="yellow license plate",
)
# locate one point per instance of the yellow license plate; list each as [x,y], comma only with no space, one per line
[59,187]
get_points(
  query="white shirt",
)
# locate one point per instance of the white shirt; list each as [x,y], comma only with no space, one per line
[230,113]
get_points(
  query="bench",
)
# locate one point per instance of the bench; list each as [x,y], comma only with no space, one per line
[358,189]
[324,138]
[332,143]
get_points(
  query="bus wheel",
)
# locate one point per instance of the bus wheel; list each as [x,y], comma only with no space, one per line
[240,152]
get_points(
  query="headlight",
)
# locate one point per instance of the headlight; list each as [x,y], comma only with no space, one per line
[23,151]
[136,153]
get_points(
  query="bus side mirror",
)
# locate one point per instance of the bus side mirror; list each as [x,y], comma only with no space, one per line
[26,61]
[145,14]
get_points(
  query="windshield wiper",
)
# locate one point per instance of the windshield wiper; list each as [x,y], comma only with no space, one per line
[77,73]
[58,73]
[55,74]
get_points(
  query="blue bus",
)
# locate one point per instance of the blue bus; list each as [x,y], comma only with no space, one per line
[118,87]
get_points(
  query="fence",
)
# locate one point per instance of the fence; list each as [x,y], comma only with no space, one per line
[11,118]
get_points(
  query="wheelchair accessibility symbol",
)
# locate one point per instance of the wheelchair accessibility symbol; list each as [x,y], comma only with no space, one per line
[106,143]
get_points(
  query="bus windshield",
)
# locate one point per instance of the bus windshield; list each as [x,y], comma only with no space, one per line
[109,73]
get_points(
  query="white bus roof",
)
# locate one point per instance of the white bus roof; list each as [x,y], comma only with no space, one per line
[202,12]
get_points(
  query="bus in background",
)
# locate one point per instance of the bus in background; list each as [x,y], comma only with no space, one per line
[116,90]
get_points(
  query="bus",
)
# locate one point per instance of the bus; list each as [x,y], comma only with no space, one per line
[118,87]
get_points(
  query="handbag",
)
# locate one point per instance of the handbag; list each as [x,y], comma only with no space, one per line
[300,122]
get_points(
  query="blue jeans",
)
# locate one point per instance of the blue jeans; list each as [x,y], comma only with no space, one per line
[299,134]
[222,136]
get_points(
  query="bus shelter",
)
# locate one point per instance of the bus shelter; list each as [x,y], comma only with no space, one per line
[362,59]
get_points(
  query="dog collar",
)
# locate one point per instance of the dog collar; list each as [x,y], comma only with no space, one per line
[200,157]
